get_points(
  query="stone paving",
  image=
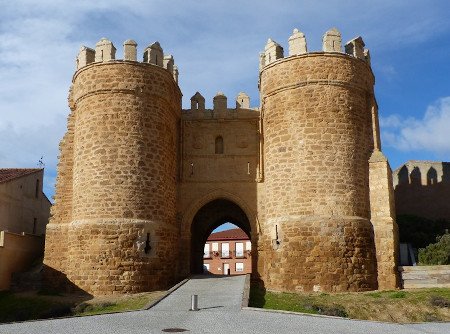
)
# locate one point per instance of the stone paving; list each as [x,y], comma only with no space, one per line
[220,312]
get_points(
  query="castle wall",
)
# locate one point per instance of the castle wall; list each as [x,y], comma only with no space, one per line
[317,141]
[422,188]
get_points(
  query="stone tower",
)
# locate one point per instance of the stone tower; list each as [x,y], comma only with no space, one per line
[318,138]
[114,220]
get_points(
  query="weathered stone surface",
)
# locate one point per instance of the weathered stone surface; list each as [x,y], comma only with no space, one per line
[317,141]
[116,181]
[383,219]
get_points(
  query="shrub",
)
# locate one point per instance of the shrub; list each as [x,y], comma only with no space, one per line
[436,254]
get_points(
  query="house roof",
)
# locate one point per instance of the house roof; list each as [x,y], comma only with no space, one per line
[8,174]
[233,234]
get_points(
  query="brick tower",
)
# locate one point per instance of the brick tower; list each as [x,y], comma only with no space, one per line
[318,138]
[114,221]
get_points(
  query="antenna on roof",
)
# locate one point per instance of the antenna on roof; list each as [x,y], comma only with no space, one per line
[41,162]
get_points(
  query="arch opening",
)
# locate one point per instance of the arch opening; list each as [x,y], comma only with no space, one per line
[206,220]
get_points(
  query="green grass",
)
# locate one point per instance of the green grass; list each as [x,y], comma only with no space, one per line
[44,305]
[15,308]
[108,307]
[393,306]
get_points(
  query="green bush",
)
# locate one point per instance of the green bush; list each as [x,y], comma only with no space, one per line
[436,254]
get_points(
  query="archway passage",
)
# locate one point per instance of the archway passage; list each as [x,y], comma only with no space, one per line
[208,218]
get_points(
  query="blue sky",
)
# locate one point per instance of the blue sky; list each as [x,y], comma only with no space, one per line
[216,46]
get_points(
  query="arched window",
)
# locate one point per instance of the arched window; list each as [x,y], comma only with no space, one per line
[416,176]
[431,176]
[219,145]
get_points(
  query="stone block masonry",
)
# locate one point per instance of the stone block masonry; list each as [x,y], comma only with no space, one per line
[137,175]
[318,135]
[114,224]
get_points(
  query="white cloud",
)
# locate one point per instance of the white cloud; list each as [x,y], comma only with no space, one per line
[432,133]
[215,44]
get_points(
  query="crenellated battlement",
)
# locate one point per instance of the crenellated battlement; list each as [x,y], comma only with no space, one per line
[220,108]
[105,51]
[331,43]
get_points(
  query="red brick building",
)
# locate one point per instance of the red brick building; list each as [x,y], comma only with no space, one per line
[228,253]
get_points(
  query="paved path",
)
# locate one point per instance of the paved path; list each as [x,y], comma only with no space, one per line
[220,312]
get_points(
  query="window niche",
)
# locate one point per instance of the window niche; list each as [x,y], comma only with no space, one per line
[219,145]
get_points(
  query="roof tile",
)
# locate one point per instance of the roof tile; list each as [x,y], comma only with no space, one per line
[8,174]
[233,234]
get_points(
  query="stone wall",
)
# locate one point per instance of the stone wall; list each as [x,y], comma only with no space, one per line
[383,220]
[422,188]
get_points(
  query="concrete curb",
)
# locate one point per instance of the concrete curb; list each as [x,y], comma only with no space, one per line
[157,301]
[256,309]
[246,292]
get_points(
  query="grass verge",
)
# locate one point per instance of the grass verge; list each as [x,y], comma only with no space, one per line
[403,306]
[40,305]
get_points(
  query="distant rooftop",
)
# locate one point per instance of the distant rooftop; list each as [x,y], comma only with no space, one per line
[8,174]
[233,234]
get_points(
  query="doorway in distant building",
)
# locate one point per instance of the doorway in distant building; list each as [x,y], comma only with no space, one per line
[221,240]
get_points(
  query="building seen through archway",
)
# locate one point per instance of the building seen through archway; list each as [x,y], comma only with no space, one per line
[228,252]
[225,248]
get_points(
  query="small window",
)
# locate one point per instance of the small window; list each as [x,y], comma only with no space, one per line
[239,249]
[34,225]
[239,266]
[219,145]
[206,253]
[215,246]
[36,194]
[225,250]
